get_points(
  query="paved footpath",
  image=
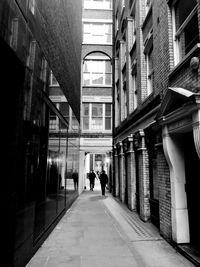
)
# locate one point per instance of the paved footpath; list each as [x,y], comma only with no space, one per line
[101,232]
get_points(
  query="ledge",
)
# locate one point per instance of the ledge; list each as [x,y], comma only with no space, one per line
[185,60]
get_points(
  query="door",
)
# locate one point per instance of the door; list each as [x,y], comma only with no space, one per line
[192,170]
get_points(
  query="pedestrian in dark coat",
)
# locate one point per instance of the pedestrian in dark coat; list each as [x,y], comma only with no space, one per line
[92,177]
[103,181]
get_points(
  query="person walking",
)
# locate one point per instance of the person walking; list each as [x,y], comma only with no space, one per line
[92,177]
[75,178]
[103,181]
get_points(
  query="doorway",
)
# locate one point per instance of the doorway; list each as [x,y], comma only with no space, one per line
[192,171]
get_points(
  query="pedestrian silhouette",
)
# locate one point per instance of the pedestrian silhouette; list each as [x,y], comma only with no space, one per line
[103,181]
[75,178]
[92,177]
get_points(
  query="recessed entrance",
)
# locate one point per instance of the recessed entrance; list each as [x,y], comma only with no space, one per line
[192,171]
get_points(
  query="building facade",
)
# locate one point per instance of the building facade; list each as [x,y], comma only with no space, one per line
[156,113]
[96,104]
[35,191]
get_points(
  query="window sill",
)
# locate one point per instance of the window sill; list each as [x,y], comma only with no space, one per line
[185,60]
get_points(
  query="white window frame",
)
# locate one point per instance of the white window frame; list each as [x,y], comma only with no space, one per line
[149,74]
[103,74]
[134,90]
[92,4]
[177,33]
[92,35]
[91,129]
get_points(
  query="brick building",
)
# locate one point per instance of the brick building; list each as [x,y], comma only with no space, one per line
[34,195]
[96,106]
[156,113]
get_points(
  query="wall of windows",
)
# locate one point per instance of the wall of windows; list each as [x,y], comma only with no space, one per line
[97,70]
[97,116]
[97,33]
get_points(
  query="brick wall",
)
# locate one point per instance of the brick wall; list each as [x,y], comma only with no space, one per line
[164,194]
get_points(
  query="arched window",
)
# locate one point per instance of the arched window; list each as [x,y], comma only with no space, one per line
[97,70]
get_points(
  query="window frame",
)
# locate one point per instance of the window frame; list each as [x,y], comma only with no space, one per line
[92,31]
[90,116]
[91,73]
[178,56]
[101,7]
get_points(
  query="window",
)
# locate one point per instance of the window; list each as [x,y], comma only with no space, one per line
[149,64]
[124,103]
[97,4]
[43,73]
[108,116]
[123,52]
[32,6]
[97,33]
[85,116]
[53,81]
[97,70]
[14,33]
[66,111]
[185,27]
[31,55]
[134,90]
[97,116]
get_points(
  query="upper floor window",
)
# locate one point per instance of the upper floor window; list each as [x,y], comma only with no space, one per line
[66,111]
[149,64]
[97,70]
[32,6]
[124,100]
[97,4]
[43,72]
[97,33]
[14,33]
[185,27]
[31,55]
[97,116]
[134,90]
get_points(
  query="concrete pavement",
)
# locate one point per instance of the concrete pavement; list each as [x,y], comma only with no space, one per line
[100,231]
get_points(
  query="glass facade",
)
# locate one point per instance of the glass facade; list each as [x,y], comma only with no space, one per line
[40,154]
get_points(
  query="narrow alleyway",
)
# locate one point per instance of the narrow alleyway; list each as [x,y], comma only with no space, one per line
[100,231]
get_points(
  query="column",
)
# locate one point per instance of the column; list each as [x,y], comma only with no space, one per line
[131,174]
[121,173]
[144,190]
[116,174]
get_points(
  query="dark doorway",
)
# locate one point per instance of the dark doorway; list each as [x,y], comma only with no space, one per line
[192,169]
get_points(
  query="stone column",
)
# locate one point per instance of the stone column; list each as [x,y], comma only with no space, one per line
[131,174]
[144,190]
[121,173]
[116,174]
